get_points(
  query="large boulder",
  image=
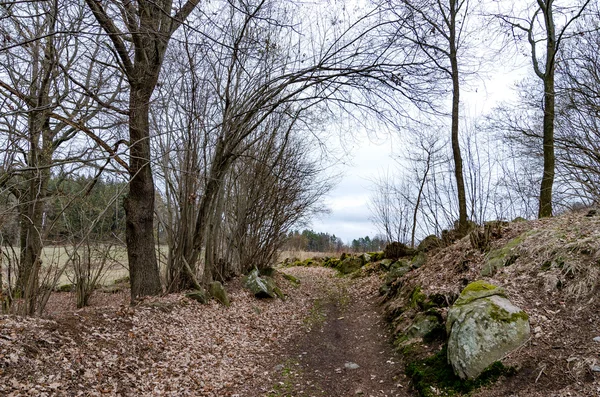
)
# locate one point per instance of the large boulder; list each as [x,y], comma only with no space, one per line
[484,326]
[218,292]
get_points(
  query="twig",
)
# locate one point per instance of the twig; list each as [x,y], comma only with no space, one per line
[540,374]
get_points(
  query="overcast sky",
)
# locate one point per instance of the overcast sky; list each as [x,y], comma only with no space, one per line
[348,201]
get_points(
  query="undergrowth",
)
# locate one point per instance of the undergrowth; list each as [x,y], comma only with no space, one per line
[433,376]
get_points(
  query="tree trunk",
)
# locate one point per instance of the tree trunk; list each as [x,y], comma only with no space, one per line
[139,203]
[545,208]
[458,163]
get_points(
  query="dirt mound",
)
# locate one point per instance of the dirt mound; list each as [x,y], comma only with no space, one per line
[551,269]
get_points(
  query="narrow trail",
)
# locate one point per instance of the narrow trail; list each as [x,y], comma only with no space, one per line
[345,349]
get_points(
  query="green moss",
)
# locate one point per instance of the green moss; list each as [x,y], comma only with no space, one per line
[417,298]
[316,316]
[295,282]
[332,262]
[433,376]
[418,260]
[499,314]
[504,256]
[476,290]
[376,256]
[477,286]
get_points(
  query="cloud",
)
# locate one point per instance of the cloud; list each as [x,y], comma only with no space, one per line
[348,201]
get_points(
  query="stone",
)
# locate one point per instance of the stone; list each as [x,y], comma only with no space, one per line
[198,296]
[597,339]
[502,257]
[429,243]
[350,365]
[290,278]
[350,265]
[418,261]
[261,287]
[483,327]
[386,263]
[218,292]
[395,250]
[421,325]
[395,273]
[384,289]
[366,258]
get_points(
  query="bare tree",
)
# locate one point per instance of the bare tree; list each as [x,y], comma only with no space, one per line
[42,110]
[441,32]
[578,123]
[140,32]
[260,66]
[537,26]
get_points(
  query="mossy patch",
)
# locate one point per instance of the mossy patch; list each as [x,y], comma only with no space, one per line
[417,297]
[418,260]
[65,288]
[316,316]
[376,256]
[477,290]
[499,314]
[433,376]
[293,280]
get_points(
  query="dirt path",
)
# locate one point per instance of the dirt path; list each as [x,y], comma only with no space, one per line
[345,349]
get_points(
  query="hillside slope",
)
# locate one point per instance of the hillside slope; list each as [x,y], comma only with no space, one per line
[549,268]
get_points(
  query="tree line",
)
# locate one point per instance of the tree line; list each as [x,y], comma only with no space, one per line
[210,120]
[311,241]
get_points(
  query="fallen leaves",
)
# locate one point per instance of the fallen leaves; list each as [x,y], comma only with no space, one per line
[190,350]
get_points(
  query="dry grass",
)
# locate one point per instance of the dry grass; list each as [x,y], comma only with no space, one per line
[56,258]
[303,255]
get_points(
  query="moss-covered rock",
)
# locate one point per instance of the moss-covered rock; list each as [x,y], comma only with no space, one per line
[218,292]
[291,279]
[433,376]
[350,265]
[483,326]
[395,250]
[332,262]
[501,257]
[396,273]
[386,263]
[198,296]
[376,256]
[418,260]
[421,325]
[429,243]
[261,287]
[65,288]
[477,290]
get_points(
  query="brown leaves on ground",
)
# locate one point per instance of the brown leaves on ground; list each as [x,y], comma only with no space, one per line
[169,346]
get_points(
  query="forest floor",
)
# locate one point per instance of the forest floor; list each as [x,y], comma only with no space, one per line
[327,338]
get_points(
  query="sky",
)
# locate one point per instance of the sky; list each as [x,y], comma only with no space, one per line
[349,216]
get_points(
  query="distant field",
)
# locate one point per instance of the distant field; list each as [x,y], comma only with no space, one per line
[56,257]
